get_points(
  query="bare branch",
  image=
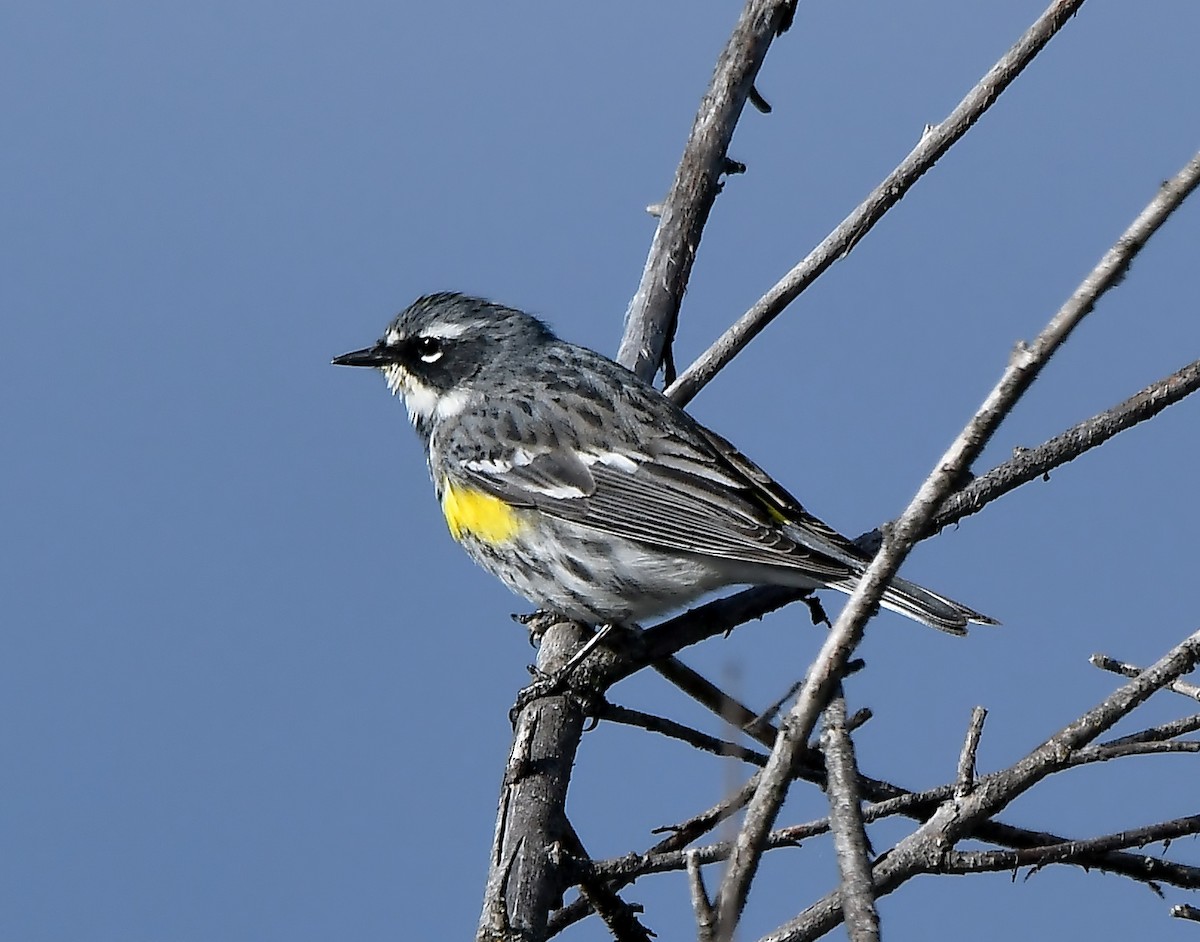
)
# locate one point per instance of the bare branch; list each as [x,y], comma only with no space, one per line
[701,906]
[845,817]
[1179,727]
[1103,753]
[523,881]
[683,834]
[650,320]
[1033,463]
[1134,866]
[1184,911]
[629,867]
[980,861]
[660,724]
[619,916]
[706,621]
[636,649]
[705,692]
[765,720]
[839,242]
[1106,663]
[966,759]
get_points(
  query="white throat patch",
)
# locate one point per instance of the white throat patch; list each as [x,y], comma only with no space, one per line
[424,403]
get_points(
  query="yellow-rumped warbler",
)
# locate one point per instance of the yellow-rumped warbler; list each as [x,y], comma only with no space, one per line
[586,490]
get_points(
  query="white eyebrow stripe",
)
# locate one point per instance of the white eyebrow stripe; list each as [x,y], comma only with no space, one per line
[444,331]
[439,330]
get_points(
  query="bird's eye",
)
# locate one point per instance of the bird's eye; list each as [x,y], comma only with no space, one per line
[429,349]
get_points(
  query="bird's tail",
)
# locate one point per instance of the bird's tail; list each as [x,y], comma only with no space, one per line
[927,607]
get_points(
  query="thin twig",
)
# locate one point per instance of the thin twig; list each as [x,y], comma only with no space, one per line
[680,835]
[1106,663]
[1121,863]
[701,905]
[1033,463]
[619,916]
[705,692]
[979,861]
[768,717]
[1169,730]
[1027,362]
[636,653]
[845,818]
[966,759]
[839,242]
[642,648]
[1103,753]
[637,865]
[650,320]
[693,737]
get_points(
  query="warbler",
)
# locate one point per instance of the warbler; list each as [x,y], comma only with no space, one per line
[585,489]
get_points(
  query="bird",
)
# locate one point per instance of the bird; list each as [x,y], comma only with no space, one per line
[586,490]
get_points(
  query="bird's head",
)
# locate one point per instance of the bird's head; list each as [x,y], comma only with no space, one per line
[435,350]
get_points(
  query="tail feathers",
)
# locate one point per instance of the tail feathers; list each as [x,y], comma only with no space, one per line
[929,608]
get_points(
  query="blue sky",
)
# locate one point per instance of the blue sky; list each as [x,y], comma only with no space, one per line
[252,690]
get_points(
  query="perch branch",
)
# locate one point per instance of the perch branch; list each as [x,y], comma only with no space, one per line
[652,314]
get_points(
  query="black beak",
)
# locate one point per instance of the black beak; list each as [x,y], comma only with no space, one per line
[369,356]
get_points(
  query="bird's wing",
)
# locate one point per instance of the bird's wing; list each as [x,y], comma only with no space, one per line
[808,530]
[690,492]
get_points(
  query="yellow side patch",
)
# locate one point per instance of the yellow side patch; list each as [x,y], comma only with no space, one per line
[483,516]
